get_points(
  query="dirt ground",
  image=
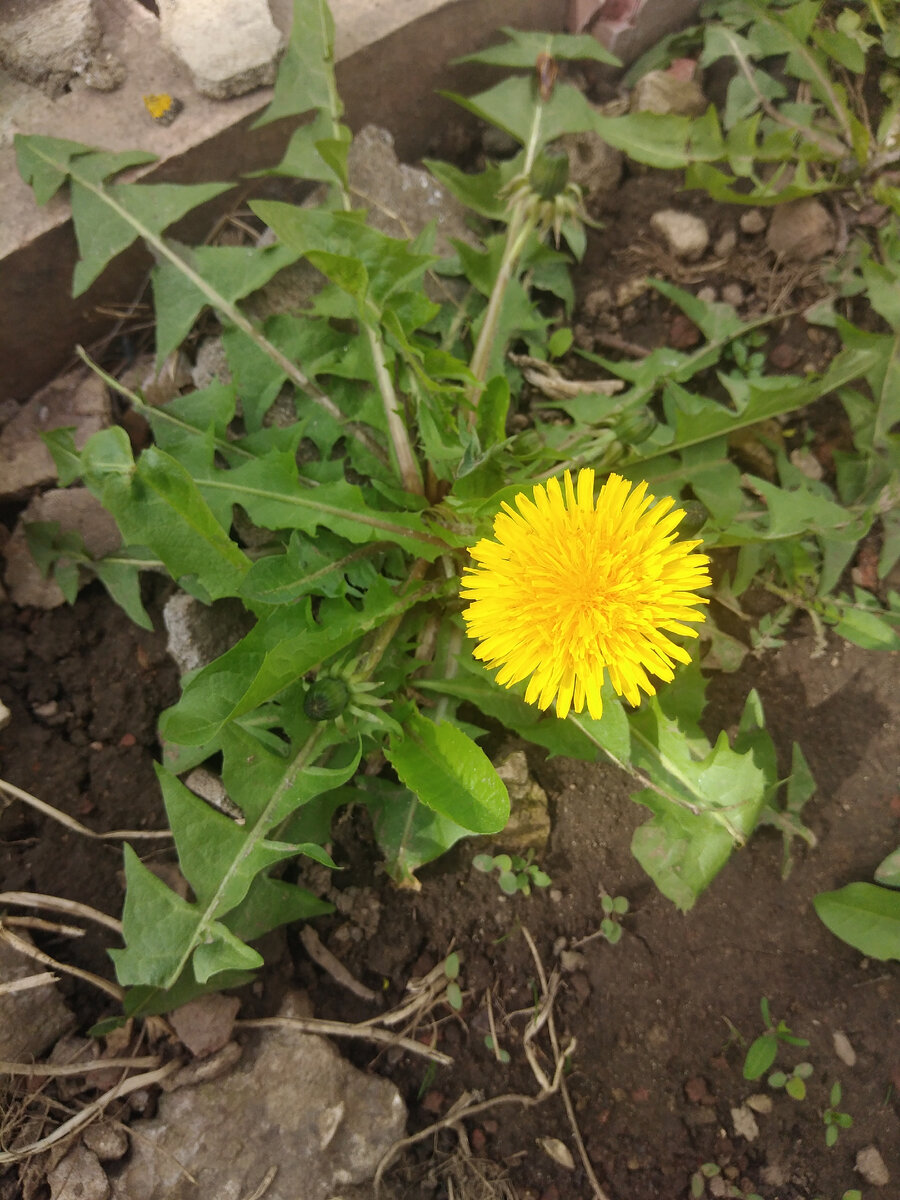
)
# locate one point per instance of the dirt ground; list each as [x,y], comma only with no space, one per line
[662,1019]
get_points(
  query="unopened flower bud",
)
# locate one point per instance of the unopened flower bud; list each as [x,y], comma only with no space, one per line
[549,173]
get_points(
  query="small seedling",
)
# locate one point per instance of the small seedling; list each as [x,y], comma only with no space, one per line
[795,1082]
[764,1049]
[497,1050]
[516,874]
[614,908]
[711,1170]
[454,992]
[833,1119]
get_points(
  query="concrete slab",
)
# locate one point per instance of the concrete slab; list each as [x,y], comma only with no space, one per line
[392,56]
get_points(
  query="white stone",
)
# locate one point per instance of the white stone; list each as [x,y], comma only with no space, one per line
[685,235]
[744,1122]
[229,46]
[870,1165]
[843,1049]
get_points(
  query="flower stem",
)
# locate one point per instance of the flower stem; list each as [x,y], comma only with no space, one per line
[521,226]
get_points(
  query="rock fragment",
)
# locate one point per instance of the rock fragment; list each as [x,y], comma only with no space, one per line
[107,1140]
[685,235]
[75,400]
[48,43]
[593,164]
[75,510]
[30,1021]
[229,46]
[292,1103]
[870,1165]
[78,1176]
[664,93]
[752,221]
[801,231]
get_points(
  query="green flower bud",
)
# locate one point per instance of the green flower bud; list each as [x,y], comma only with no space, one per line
[549,173]
[695,517]
[326,699]
[636,426]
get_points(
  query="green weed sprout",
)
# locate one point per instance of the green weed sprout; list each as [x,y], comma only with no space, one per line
[514,873]
[764,1049]
[833,1119]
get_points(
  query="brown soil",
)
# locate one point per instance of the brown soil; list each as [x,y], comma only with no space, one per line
[661,1020]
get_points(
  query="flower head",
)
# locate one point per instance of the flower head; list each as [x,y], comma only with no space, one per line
[570,587]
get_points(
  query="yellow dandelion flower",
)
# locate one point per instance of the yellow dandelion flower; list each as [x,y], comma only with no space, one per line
[570,587]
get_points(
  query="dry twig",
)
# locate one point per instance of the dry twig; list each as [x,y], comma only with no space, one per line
[70,823]
[30,951]
[71,908]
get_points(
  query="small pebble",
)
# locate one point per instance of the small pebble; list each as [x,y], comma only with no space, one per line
[708,295]
[752,221]
[725,243]
[843,1049]
[686,235]
[759,1102]
[870,1165]
[733,294]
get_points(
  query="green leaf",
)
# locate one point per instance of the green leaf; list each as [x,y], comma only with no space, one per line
[408,833]
[523,48]
[276,653]
[865,916]
[306,74]
[269,490]
[45,162]
[234,271]
[707,800]
[157,504]
[381,266]
[513,106]
[888,871]
[158,927]
[760,1056]
[109,218]
[450,774]
[868,629]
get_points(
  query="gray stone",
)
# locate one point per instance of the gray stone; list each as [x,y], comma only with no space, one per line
[30,1021]
[78,1176]
[199,632]
[801,231]
[528,827]
[107,1140]
[48,42]
[401,199]
[76,400]
[293,1103]
[752,221]
[77,511]
[662,92]
[870,1165]
[685,235]
[593,164]
[725,243]
[229,46]
[211,363]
